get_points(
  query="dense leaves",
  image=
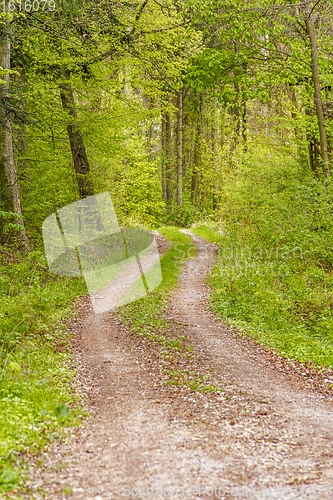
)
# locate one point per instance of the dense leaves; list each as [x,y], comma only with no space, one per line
[218,112]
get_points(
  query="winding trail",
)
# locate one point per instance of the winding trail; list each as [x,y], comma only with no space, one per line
[269,428]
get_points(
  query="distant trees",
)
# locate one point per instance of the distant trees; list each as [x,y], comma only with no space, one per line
[158,102]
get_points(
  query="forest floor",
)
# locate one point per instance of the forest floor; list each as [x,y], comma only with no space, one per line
[270,427]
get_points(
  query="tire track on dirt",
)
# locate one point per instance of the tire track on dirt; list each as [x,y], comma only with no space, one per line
[269,427]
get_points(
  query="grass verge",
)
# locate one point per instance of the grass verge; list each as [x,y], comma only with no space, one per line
[277,290]
[36,381]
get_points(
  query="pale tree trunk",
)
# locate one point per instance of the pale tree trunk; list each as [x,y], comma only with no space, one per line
[164,158]
[197,155]
[9,189]
[244,121]
[317,98]
[168,154]
[215,147]
[180,150]
[151,132]
[196,163]
[79,154]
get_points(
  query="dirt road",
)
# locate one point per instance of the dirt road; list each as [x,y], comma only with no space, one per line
[270,427]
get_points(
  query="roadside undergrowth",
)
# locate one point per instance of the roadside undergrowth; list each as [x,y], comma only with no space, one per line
[273,278]
[37,400]
[147,318]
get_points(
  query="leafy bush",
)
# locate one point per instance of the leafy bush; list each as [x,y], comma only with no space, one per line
[180,216]
[273,276]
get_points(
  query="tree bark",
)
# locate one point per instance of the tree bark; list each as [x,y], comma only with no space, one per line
[164,157]
[215,147]
[196,162]
[180,150]
[197,156]
[168,157]
[79,154]
[313,147]
[10,199]
[317,98]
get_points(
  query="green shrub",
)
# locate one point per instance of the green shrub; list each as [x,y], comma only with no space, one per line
[273,277]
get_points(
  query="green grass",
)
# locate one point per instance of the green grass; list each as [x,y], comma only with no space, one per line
[145,317]
[273,278]
[143,314]
[36,382]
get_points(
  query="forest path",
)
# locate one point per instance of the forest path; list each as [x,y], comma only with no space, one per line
[269,428]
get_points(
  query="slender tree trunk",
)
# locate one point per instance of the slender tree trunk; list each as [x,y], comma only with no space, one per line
[195,172]
[197,156]
[244,122]
[180,150]
[79,154]
[313,153]
[294,109]
[317,93]
[168,157]
[9,188]
[216,138]
[164,157]
[151,132]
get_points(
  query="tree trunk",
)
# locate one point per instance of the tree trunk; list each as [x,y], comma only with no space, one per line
[180,150]
[196,162]
[168,157]
[244,123]
[79,154]
[312,149]
[197,155]
[9,189]
[164,157]
[215,143]
[317,92]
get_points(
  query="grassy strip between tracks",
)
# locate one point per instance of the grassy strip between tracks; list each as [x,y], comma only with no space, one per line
[146,318]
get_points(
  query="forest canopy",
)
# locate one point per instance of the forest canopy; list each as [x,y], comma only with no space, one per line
[162,103]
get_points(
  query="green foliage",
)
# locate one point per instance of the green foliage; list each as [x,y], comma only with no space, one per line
[181,216]
[36,384]
[248,119]
[10,227]
[274,275]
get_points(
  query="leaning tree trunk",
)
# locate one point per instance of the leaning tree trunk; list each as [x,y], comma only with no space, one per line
[180,150]
[10,200]
[317,93]
[79,154]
